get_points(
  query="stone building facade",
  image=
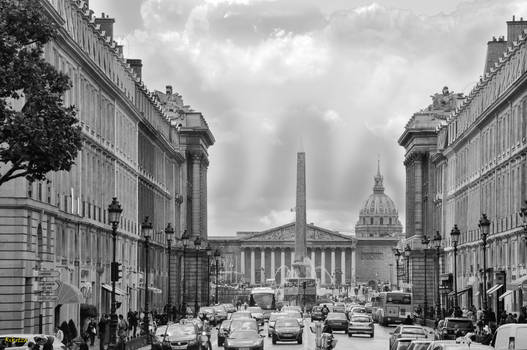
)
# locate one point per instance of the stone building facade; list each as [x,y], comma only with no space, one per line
[469,160]
[56,255]
[377,231]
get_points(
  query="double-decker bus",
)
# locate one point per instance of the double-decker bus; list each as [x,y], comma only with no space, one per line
[392,307]
[265,298]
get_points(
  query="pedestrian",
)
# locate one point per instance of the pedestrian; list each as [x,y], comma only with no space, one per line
[59,334]
[122,328]
[134,325]
[92,331]
[523,315]
[49,344]
[102,331]
[479,314]
[408,320]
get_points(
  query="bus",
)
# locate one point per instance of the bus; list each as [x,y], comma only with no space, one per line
[392,307]
[265,298]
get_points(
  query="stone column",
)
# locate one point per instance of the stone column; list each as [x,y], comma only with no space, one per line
[343,265]
[418,199]
[262,265]
[204,169]
[242,263]
[282,262]
[292,258]
[273,263]
[313,266]
[333,276]
[196,198]
[322,266]
[253,277]
[353,265]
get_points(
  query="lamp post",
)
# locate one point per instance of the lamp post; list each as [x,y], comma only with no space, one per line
[217,258]
[437,246]
[169,231]
[147,229]
[425,241]
[114,216]
[397,254]
[184,239]
[197,246]
[454,234]
[407,251]
[209,254]
[484,225]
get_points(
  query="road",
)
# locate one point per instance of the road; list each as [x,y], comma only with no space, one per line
[357,342]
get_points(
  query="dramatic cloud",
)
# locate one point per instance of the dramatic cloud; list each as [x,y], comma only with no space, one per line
[337,79]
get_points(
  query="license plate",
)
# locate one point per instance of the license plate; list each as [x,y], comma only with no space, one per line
[244,348]
[179,346]
[287,335]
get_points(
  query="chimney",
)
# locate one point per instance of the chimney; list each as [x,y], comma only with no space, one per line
[168,90]
[137,66]
[106,24]
[515,28]
[495,50]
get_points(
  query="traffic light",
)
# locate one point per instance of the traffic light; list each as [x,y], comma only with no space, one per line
[116,271]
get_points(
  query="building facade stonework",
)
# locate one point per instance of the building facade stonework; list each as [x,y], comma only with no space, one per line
[132,150]
[468,161]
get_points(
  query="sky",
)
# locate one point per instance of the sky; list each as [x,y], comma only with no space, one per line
[337,79]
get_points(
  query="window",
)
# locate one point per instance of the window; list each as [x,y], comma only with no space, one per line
[371,221]
[381,221]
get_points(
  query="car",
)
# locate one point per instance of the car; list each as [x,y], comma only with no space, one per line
[177,336]
[361,324]
[272,320]
[435,343]
[244,340]
[230,308]
[419,344]
[358,310]
[511,336]
[223,331]
[369,308]
[453,327]
[401,344]
[240,314]
[220,313]
[316,314]
[292,308]
[460,346]
[257,314]
[18,340]
[407,331]
[287,329]
[208,312]
[339,307]
[337,321]
[243,324]
[297,315]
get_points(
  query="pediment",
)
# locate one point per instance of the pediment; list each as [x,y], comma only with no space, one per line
[286,233]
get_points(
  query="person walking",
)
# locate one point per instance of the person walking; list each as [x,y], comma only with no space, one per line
[523,315]
[102,331]
[122,328]
[92,331]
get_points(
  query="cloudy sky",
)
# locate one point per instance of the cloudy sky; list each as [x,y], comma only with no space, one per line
[337,79]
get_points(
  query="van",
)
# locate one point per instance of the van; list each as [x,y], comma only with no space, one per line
[512,336]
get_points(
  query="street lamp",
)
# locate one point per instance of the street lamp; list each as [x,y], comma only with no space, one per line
[407,251]
[425,241]
[397,254]
[197,246]
[437,245]
[454,234]
[184,238]
[147,229]
[484,225]
[217,258]
[169,231]
[208,249]
[114,216]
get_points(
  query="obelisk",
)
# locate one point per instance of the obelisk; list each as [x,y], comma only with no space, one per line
[300,223]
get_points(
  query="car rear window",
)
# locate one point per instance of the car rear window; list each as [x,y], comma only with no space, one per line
[336,316]
[413,331]
[360,319]
[403,345]
[460,324]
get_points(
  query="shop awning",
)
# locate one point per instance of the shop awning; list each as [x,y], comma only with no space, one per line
[462,291]
[68,294]
[494,288]
[518,281]
[108,287]
[155,290]
[505,294]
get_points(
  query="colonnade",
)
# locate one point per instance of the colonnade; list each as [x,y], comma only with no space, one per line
[329,264]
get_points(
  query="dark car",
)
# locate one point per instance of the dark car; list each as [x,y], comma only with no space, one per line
[453,327]
[244,340]
[316,314]
[220,313]
[361,324]
[287,329]
[337,321]
[257,314]
[177,336]
[272,320]
[408,332]
[223,331]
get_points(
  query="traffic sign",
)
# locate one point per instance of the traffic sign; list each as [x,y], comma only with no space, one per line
[47,273]
[46,298]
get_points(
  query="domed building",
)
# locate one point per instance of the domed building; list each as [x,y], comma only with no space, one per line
[378,231]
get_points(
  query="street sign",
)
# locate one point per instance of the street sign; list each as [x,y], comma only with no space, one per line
[46,298]
[47,273]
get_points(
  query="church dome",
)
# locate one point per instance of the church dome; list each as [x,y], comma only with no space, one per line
[378,204]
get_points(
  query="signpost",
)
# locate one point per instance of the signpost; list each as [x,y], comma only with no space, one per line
[47,279]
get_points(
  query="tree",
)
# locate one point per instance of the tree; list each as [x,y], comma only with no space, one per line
[38,134]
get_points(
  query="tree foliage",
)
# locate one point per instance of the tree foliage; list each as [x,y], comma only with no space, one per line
[43,135]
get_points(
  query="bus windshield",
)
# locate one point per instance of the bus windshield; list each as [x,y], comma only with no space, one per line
[398,298]
[264,300]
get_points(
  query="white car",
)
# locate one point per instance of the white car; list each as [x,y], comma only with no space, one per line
[21,341]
